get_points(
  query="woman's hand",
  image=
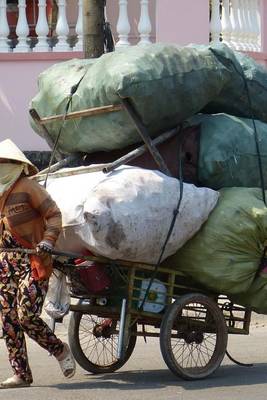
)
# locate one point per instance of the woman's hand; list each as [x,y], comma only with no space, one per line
[44,247]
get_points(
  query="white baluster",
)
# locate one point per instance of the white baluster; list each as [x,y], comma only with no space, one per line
[234,16]
[22,29]
[144,26]
[42,29]
[123,25]
[62,28]
[247,27]
[243,25]
[226,23]
[255,25]
[4,28]
[215,21]
[79,28]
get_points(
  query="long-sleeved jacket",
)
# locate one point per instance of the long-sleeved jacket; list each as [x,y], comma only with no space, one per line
[30,214]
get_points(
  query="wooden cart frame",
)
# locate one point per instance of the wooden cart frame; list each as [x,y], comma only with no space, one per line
[193,324]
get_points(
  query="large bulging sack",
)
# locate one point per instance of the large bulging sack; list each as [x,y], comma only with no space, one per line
[227,154]
[160,79]
[225,255]
[245,94]
[70,193]
[127,213]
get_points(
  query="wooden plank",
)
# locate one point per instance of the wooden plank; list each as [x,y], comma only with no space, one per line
[83,113]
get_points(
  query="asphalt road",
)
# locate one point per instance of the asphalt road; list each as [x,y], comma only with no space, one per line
[145,376]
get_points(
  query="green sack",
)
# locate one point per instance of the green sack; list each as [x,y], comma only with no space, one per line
[227,151]
[245,95]
[224,256]
[165,83]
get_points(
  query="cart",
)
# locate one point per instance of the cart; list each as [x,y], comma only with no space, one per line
[191,323]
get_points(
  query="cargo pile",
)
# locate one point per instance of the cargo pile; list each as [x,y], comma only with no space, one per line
[218,97]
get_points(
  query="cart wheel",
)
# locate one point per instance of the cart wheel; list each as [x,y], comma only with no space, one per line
[94,340]
[193,337]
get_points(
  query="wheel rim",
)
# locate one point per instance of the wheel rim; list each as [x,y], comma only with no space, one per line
[193,345]
[99,348]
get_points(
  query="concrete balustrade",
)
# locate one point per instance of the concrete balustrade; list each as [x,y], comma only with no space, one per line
[64,35]
[236,23]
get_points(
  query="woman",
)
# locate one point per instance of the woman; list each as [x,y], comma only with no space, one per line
[29,219]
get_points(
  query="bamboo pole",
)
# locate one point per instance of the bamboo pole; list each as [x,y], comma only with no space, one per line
[71,172]
[83,113]
[139,151]
[108,167]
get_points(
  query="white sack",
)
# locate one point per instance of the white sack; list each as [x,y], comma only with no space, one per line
[70,193]
[127,213]
[130,211]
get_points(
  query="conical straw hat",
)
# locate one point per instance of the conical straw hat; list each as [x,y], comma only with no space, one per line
[9,150]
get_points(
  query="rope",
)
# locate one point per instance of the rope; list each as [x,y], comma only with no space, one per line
[175,213]
[69,102]
[255,132]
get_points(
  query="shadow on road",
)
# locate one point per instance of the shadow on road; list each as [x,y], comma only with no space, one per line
[225,376]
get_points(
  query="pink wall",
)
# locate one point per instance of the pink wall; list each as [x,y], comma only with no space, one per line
[18,85]
[182,21]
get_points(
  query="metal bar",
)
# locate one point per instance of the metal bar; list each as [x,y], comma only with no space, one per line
[145,136]
[170,290]
[35,116]
[90,309]
[247,320]
[89,112]
[120,351]
[139,151]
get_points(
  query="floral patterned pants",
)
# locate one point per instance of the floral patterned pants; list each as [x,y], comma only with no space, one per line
[21,301]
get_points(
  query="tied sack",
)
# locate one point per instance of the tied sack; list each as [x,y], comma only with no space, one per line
[130,211]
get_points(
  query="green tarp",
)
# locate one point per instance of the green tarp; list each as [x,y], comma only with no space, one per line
[245,94]
[224,256]
[227,151]
[165,83]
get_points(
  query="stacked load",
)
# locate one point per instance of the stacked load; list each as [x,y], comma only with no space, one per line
[218,95]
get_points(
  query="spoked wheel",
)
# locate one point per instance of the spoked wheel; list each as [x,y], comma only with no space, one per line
[193,337]
[94,341]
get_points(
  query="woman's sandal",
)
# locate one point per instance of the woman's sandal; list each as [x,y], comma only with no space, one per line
[67,362]
[14,382]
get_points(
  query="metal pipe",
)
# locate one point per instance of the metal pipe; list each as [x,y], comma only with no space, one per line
[139,151]
[121,349]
